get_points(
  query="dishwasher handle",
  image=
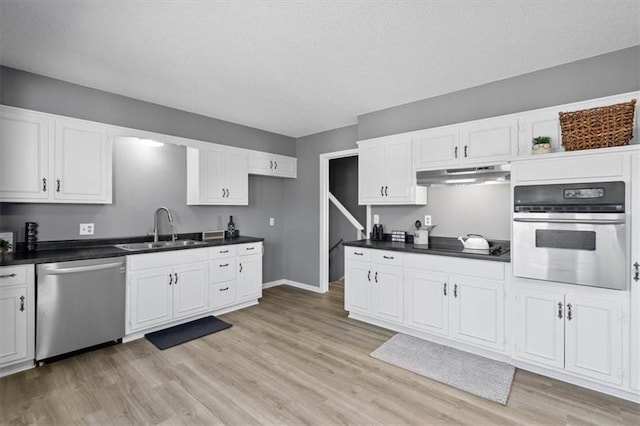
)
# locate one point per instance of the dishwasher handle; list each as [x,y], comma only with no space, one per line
[73,270]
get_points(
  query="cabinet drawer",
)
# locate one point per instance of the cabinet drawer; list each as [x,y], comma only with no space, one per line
[455,265]
[221,270]
[391,258]
[357,254]
[245,249]
[11,275]
[221,295]
[159,260]
[222,252]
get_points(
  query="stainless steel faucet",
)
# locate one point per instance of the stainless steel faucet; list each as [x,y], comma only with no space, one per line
[155,224]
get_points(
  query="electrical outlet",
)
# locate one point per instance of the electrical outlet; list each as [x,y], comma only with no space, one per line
[376,219]
[427,220]
[272,221]
[86,228]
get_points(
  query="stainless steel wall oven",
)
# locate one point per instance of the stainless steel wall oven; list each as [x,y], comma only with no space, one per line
[571,233]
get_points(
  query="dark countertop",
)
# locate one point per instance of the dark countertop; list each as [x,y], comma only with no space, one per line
[438,246]
[61,251]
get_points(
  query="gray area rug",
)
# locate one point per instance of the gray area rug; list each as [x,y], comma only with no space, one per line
[471,373]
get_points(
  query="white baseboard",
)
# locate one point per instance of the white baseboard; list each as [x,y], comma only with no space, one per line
[290,283]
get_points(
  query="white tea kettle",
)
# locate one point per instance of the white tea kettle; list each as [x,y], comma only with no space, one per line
[474,242]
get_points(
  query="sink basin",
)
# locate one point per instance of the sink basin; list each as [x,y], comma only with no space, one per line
[158,245]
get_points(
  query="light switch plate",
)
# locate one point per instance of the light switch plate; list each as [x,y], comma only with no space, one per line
[86,228]
[272,221]
[427,220]
[376,219]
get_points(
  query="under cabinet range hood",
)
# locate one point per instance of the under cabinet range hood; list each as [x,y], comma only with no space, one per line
[470,175]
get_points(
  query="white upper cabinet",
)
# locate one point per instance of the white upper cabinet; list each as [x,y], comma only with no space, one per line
[217,175]
[46,158]
[386,174]
[82,162]
[24,163]
[489,141]
[476,143]
[263,163]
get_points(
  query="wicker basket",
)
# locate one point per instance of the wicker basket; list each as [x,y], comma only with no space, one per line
[600,127]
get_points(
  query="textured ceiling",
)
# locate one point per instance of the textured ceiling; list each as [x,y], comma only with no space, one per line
[300,67]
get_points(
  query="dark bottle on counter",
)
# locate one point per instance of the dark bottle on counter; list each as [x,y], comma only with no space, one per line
[30,236]
[231,228]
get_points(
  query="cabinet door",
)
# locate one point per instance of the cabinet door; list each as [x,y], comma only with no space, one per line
[427,301]
[538,334]
[24,163]
[489,141]
[82,170]
[399,178]
[387,291]
[190,289]
[249,277]
[13,324]
[635,280]
[477,311]
[436,148]
[236,179]
[371,166]
[212,179]
[285,166]
[150,297]
[260,163]
[357,286]
[593,338]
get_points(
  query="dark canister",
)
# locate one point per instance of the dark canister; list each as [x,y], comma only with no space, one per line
[30,236]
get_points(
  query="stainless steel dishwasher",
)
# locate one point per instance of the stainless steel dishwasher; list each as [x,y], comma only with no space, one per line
[79,304]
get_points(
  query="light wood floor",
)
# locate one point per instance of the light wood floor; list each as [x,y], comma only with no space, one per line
[293,359]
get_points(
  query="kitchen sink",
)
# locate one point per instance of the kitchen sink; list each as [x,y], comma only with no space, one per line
[159,245]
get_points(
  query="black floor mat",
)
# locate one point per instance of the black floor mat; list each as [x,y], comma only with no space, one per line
[178,334]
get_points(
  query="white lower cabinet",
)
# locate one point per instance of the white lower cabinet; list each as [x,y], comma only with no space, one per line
[375,288]
[581,334]
[166,286]
[17,318]
[249,277]
[235,274]
[421,292]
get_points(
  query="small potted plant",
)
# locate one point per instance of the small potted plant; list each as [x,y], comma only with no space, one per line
[5,246]
[541,145]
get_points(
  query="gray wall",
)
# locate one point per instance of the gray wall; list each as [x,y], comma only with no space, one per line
[604,75]
[146,178]
[456,210]
[302,204]
[343,183]
[36,92]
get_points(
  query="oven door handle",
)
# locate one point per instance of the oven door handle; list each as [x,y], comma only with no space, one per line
[585,221]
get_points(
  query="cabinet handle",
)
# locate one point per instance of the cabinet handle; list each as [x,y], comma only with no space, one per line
[224,266]
[8,276]
[176,281]
[227,192]
[388,257]
[44,184]
[636,276]
[376,277]
[57,185]
[455,152]
[250,248]
[386,193]
[222,192]
[21,303]
[569,316]
[271,164]
[224,289]
[444,288]
[223,251]
[465,151]
[355,253]
[560,310]
[369,276]
[455,290]
[275,165]
[382,191]
[241,267]
[170,279]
